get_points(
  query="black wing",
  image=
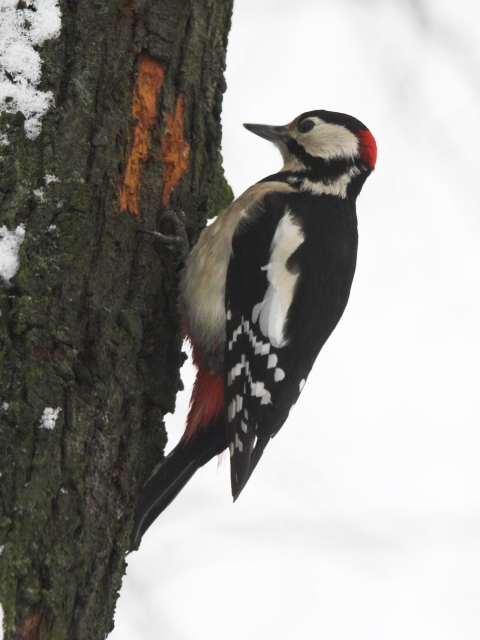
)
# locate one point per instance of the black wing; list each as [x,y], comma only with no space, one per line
[273,338]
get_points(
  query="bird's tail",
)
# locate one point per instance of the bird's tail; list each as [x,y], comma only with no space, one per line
[169,478]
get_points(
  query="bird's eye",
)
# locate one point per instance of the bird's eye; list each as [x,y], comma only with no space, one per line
[305,125]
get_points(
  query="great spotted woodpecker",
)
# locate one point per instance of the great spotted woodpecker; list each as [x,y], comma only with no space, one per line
[260,293]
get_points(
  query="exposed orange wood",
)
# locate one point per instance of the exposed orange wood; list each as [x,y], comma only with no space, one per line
[31,627]
[175,151]
[147,87]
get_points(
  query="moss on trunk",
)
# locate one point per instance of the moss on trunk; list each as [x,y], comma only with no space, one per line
[90,325]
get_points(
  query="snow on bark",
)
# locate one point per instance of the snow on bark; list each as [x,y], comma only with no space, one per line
[22,31]
[49,418]
[10,242]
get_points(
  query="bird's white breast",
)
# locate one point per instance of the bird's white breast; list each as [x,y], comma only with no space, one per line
[202,286]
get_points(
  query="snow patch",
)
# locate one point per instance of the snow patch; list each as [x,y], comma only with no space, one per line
[5,406]
[10,242]
[22,31]
[49,418]
[4,140]
[49,178]
[38,193]
[1,620]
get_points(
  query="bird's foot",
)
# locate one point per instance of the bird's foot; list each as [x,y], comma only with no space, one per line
[179,239]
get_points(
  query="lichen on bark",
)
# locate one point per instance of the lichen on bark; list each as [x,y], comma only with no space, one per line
[89,326]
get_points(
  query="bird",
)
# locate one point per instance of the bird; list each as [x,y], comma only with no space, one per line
[259,295]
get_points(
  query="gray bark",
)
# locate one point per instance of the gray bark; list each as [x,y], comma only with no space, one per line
[90,325]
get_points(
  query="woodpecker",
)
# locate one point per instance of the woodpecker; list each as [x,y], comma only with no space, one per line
[260,294]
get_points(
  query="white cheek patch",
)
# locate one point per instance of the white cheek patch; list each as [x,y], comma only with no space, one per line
[272,312]
[328,141]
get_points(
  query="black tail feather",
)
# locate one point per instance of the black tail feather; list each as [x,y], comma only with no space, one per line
[241,474]
[169,478]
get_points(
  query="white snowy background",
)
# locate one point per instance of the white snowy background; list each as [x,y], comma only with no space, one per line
[362,521]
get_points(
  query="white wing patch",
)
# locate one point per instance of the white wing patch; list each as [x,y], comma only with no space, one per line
[272,312]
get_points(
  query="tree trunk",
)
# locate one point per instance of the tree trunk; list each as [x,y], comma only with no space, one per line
[90,348]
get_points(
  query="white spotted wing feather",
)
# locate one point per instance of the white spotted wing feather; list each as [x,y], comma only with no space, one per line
[256,342]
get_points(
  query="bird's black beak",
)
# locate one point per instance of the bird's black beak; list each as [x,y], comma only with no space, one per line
[269,132]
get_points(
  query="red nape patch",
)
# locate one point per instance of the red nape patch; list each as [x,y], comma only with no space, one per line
[368,147]
[207,400]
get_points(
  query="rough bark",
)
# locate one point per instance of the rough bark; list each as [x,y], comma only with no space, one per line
[90,325]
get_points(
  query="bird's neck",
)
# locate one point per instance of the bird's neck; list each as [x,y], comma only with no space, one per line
[343,179]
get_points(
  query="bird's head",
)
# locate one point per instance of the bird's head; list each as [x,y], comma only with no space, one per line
[322,142]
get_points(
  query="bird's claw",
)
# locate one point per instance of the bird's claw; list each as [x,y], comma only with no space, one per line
[179,239]
[177,217]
